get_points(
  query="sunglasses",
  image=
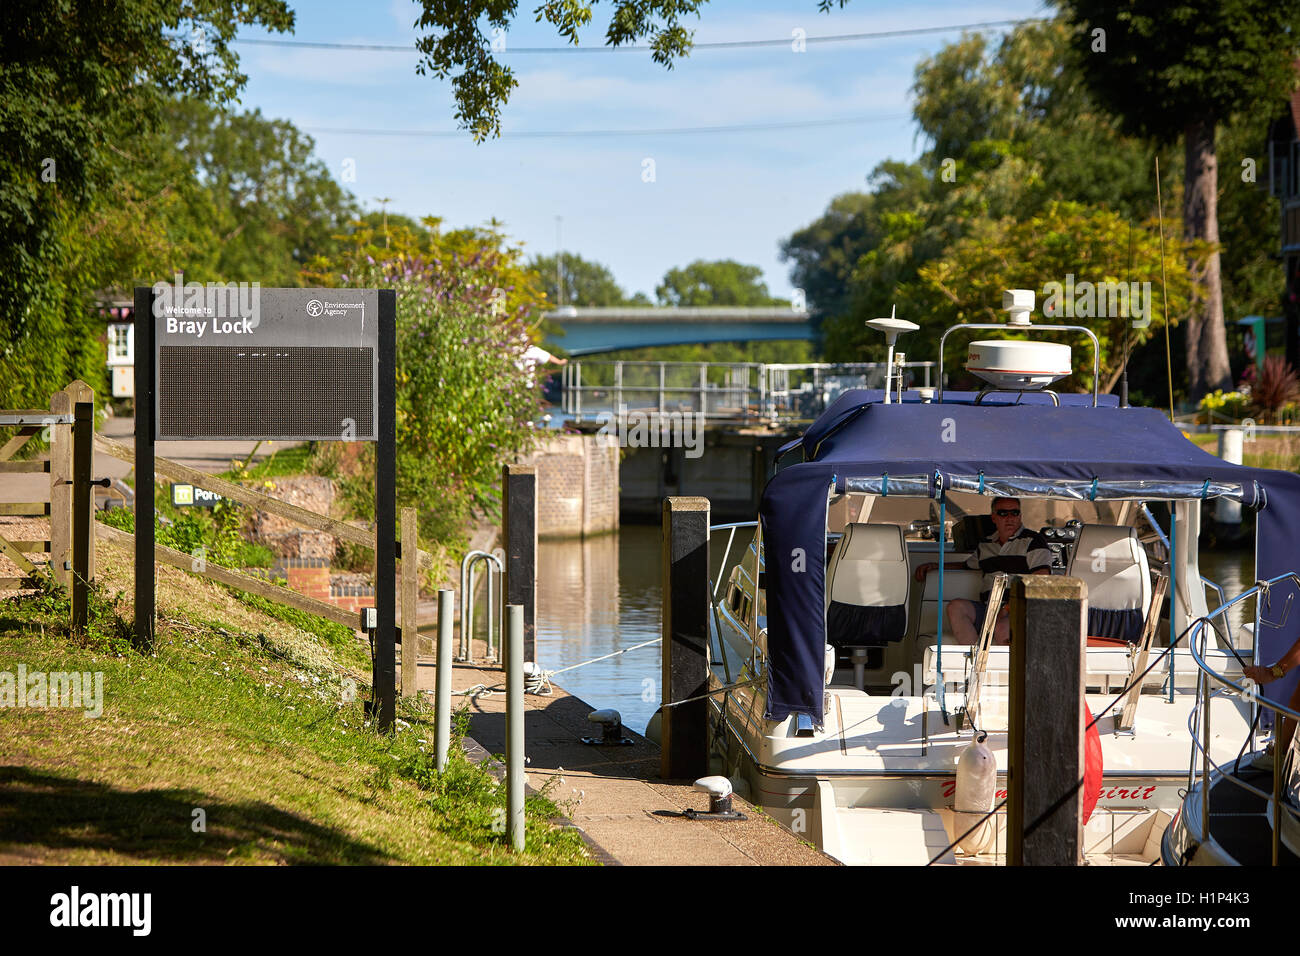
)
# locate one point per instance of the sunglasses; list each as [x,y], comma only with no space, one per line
[1008,512]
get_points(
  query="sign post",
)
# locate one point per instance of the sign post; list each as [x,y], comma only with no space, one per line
[234,361]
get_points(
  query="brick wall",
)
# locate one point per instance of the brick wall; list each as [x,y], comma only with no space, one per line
[577,486]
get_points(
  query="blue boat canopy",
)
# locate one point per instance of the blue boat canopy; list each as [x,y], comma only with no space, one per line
[1074,451]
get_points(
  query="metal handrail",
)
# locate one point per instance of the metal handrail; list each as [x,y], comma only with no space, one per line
[466,646]
[1203,709]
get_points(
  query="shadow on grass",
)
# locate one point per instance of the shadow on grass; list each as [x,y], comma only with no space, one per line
[42,811]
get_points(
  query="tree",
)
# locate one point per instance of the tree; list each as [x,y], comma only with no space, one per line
[82,81]
[264,206]
[1179,69]
[1092,245]
[723,282]
[586,283]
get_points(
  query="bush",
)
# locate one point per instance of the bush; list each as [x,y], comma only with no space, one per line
[465,399]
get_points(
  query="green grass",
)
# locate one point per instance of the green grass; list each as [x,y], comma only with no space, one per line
[255,719]
[1266,451]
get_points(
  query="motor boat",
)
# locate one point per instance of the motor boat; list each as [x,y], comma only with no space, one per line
[841,703]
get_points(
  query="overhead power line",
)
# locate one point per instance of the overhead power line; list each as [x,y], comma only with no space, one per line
[642,48]
[664,131]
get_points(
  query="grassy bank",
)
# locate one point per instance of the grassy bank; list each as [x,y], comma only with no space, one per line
[1281,452]
[255,720]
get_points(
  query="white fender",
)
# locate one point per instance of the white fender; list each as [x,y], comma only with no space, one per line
[977,777]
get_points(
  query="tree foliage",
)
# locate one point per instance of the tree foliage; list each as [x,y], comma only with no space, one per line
[586,283]
[722,282]
[82,82]
[1179,70]
[464,399]
[456,45]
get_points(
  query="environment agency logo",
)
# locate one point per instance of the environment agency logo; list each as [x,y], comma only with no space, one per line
[315,307]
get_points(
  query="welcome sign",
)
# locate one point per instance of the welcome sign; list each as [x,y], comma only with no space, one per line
[234,360]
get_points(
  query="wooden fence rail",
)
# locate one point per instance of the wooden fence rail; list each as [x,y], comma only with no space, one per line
[71,541]
[72,559]
[409,580]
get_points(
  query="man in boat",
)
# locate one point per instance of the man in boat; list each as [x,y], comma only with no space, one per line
[1012,549]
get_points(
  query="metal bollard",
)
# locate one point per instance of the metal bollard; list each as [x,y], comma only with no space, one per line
[442,700]
[515,725]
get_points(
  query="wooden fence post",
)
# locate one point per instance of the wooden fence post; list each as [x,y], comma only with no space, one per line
[61,491]
[684,651]
[519,531]
[410,597]
[82,502]
[1045,757]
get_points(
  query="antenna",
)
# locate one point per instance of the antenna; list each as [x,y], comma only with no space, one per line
[1164,292]
[559,260]
[1123,372]
[893,327]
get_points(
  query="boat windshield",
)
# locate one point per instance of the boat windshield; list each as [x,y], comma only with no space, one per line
[919,517]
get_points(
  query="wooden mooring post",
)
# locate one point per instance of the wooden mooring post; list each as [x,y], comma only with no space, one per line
[1045,758]
[83,541]
[408,552]
[519,532]
[684,654]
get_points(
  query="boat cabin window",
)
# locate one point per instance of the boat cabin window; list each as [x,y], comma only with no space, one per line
[919,517]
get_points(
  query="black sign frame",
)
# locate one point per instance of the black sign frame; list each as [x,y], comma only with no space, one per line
[384,671]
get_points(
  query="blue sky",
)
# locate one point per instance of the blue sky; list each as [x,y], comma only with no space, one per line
[732,195]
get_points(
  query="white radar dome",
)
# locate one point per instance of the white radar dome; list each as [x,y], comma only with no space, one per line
[1018,365]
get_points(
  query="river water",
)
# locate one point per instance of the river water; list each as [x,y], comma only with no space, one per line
[601,595]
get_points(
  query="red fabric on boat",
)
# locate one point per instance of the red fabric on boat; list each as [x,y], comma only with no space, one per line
[1091,766]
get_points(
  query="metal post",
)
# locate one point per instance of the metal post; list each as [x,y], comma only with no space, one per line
[515,725]
[82,539]
[1227,511]
[704,388]
[144,463]
[1045,757]
[519,533]
[410,598]
[384,675]
[618,389]
[661,389]
[442,697]
[685,669]
[1205,758]
[1173,592]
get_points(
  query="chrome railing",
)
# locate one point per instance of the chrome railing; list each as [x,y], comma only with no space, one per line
[1201,713]
[716,390]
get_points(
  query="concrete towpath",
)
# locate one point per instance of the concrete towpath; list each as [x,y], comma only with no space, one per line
[615,795]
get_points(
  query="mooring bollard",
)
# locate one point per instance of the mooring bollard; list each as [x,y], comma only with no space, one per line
[519,534]
[442,699]
[685,669]
[1045,756]
[515,725]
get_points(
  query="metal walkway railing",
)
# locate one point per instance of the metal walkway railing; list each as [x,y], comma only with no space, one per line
[1247,690]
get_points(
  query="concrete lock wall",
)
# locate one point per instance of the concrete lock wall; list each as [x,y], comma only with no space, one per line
[577,486]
